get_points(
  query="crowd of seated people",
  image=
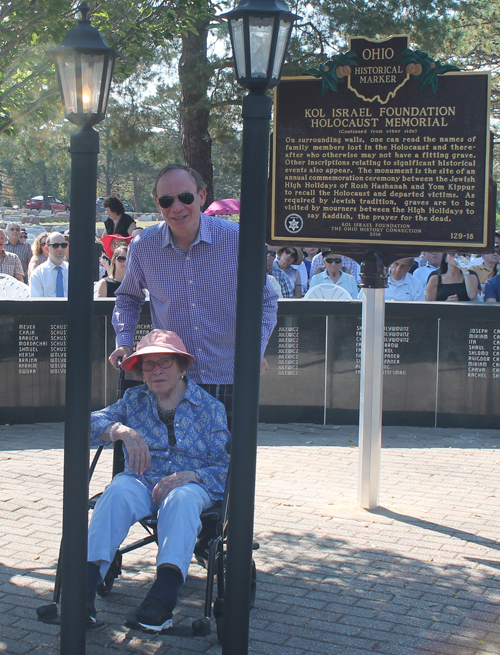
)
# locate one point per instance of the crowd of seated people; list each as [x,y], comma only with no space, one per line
[433,276]
[293,270]
[43,266]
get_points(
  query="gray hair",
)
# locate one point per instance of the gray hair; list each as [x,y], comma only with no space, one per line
[197,179]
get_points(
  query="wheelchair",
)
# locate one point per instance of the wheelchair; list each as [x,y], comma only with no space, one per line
[209,552]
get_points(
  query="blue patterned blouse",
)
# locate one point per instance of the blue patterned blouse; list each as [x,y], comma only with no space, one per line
[200,430]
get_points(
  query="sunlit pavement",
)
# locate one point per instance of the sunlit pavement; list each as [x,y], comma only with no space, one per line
[420,575]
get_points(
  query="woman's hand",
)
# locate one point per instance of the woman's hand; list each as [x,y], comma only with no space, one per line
[107,265]
[165,485]
[453,298]
[139,457]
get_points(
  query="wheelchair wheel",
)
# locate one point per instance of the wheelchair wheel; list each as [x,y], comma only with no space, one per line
[114,571]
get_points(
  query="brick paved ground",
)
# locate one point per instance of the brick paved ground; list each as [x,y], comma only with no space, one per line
[418,576]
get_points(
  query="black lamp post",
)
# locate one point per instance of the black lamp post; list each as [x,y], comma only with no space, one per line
[84,67]
[260,31]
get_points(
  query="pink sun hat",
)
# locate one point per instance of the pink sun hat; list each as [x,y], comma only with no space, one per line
[157,342]
[108,240]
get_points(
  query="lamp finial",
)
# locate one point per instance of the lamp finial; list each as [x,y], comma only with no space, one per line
[84,9]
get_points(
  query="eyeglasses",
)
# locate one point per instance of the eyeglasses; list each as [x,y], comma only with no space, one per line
[187,198]
[115,244]
[14,229]
[334,260]
[58,245]
[43,244]
[149,365]
[121,259]
[271,253]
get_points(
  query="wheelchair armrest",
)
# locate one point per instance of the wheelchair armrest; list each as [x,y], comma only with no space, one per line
[212,513]
[94,499]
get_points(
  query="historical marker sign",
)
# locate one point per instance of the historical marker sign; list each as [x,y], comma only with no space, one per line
[382,160]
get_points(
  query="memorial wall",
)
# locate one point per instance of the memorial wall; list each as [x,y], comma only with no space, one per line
[441,362]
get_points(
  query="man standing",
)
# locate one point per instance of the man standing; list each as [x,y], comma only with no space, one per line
[10,264]
[15,245]
[50,279]
[188,263]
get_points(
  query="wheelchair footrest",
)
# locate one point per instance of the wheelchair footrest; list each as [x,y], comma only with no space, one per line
[201,627]
[48,614]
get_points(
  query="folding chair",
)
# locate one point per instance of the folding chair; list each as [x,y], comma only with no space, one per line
[327,292]
[209,551]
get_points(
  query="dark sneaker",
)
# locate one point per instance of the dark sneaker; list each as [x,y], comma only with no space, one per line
[153,615]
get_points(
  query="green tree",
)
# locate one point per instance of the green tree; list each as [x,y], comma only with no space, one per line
[27,81]
[28,28]
[36,162]
[209,94]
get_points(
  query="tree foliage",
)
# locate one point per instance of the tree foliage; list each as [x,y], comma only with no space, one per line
[28,84]
[175,97]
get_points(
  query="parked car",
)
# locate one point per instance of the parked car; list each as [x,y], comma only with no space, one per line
[54,203]
[100,209]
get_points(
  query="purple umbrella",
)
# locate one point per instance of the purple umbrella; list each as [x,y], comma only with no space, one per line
[224,207]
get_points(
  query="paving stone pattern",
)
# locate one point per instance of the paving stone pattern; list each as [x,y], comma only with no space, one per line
[418,576]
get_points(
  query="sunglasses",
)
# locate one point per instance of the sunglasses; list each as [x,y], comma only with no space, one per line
[271,253]
[43,244]
[14,229]
[58,245]
[121,259]
[334,260]
[149,365]
[187,198]
[115,244]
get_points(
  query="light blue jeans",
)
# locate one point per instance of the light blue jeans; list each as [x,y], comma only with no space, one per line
[127,500]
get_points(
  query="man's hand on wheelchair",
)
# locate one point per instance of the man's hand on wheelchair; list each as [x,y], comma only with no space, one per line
[165,485]
[119,353]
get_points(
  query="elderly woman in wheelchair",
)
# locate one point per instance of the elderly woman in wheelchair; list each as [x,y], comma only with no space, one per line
[174,436]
